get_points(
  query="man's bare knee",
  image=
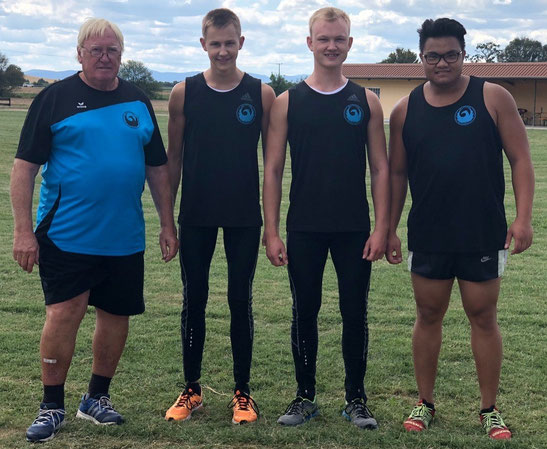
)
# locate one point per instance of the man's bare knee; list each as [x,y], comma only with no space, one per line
[483,320]
[429,316]
[71,311]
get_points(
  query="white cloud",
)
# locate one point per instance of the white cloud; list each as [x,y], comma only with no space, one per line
[165,35]
[363,3]
[28,7]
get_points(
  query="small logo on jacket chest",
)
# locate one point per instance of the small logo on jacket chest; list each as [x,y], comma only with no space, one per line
[246,113]
[353,114]
[465,115]
[131,119]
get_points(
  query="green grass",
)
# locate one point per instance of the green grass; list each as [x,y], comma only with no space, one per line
[149,374]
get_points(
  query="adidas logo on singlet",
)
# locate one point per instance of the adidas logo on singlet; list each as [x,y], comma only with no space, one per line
[246,97]
[353,97]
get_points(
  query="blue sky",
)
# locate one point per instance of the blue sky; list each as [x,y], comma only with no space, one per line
[164,34]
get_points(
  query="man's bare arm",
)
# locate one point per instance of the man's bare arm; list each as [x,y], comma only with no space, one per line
[398,178]
[504,110]
[268,97]
[25,245]
[375,247]
[175,137]
[273,176]
[158,181]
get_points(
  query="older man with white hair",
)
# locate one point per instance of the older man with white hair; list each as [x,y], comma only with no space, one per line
[97,139]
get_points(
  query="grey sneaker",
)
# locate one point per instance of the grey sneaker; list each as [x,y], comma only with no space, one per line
[298,412]
[358,413]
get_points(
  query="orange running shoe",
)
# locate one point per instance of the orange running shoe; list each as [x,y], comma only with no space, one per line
[420,418]
[493,424]
[184,406]
[245,408]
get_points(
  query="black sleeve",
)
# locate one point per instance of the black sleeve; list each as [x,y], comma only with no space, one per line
[154,151]
[35,140]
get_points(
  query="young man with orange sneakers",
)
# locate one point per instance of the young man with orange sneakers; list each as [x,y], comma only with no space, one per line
[332,125]
[215,121]
[447,140]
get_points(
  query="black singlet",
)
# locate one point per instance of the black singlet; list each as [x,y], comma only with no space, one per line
[455,172]
[220,163]
[327,136]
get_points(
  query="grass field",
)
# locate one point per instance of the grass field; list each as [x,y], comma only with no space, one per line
[149,374]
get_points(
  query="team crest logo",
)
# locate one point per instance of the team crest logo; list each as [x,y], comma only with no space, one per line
[353,114]
[465,115]
[131,119]
[246,113]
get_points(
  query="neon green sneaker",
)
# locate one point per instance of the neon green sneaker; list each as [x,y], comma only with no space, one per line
[493,424]
[420,418]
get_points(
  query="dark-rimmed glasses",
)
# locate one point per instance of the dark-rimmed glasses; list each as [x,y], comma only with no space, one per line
[450,57]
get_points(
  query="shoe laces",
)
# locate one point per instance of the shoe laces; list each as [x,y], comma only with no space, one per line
[421,412]
[184,399]
[105,403]
[296,407]
[242,401]
[359,409]
[492,419]
[46,415]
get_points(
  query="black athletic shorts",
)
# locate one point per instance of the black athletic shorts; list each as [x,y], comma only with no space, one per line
[474,267]
[115,282]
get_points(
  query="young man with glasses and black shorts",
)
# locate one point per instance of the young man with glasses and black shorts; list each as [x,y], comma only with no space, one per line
[447,140]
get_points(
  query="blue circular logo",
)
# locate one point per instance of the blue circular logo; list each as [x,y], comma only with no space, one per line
[353,114]
[465,115]
[246,113]
[131,119]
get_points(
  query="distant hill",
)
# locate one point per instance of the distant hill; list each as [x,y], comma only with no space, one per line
[171,76]
[158,76]
[34,79]
[50,74]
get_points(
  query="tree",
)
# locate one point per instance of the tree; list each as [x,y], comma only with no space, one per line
[280,84]
[137,73]
[41,83]
[11,76]
[486,52]
[523,49]
[14,76]
[3,62]
[401,56]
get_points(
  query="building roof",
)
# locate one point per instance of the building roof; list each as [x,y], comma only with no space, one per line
[492,70]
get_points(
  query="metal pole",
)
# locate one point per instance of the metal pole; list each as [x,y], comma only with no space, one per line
[535,96]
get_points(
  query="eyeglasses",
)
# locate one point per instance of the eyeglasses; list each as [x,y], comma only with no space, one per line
[450,57]
[98,52]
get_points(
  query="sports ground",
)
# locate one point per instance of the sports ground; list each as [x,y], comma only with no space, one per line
[149,374]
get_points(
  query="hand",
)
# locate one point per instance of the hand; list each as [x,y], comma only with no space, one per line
[375,247]
[393,249]
[522,232]
[26,250]
[275,250]
[169,243]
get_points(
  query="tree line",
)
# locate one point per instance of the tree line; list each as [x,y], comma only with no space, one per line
[520,49]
